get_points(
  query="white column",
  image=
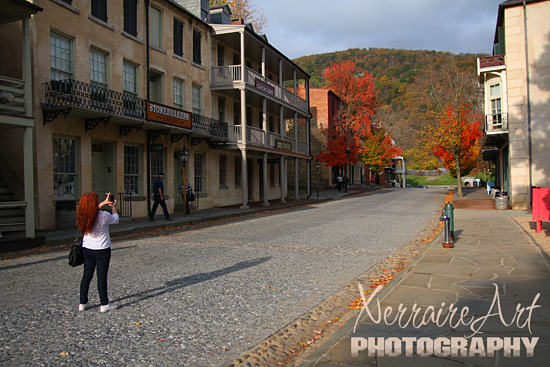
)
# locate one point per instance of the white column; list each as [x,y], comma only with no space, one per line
[295,132]
[296,181]
[28,177]
[263,61]
[244,179]
[243,59]
[282,176]
[27,67]
[265,185]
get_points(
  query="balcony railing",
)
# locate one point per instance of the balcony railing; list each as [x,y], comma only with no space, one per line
[68,92]
[496,122]
[15,89]
[229,75]
[491,61]
[209,126]
[74,93]
[261,138]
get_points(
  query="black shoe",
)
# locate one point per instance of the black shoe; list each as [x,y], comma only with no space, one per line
[151,219]
[169,218]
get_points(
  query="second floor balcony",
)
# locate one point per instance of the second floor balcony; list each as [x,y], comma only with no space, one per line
[62,97]
[496,123]
[231,76]
[491,63]
[267,139]
[12,96]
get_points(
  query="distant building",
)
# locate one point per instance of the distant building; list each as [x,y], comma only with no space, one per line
[517,99]
[325,110]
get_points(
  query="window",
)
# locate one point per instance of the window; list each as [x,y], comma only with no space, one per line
[205,9]
[236,113]
[178,37]
[98,68]
[197,99]
[238,171]
[132,171]
[178,94]
[129,86]
[199,172]
[272,175]
[61,57]
[157,165]
[99,9]
[223,170]
[129,78]
[155,86]
[64,168]
[156,27]
[496,107]
[130,17]
[221,54]
[221,108]
[197,46]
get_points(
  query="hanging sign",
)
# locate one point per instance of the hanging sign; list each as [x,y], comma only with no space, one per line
[264,87]
[168,115]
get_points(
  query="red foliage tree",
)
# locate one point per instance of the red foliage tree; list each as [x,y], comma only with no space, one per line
[347,135]
[455,140]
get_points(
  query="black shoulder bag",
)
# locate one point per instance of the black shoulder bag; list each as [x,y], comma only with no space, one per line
[76,257]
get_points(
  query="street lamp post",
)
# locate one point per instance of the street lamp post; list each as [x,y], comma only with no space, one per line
[184,158]
[317,165]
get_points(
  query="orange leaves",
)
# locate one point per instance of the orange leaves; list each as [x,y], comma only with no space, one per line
[380,281]
[456,137]
[357,103]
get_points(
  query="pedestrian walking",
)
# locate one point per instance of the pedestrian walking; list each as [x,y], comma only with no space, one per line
[189,196]
[158,197]
[339,182]
[96,246]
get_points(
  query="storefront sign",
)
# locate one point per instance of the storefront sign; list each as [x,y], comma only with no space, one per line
[264,87]
[157,147]
[168,115]
[283,145]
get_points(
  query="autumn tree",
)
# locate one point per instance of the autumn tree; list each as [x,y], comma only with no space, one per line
[455,140]
[247,11]
[379,149]
[347,135]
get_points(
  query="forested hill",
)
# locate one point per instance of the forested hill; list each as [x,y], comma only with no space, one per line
[394,70]
[401,79]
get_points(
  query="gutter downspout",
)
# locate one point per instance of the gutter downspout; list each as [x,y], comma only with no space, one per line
[528,105]
[147,3]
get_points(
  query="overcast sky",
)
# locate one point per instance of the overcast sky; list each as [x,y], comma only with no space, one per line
[306,27]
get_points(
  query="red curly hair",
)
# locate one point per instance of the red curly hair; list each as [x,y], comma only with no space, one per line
[86,214]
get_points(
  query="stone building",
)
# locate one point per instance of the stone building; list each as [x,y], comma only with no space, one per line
[122,89]
[517,99]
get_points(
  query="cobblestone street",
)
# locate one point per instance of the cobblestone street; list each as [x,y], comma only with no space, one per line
[203,297]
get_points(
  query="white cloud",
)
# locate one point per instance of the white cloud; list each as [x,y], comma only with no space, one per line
[304,27]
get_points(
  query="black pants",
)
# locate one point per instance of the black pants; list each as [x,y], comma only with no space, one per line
[93,259]
[162,205]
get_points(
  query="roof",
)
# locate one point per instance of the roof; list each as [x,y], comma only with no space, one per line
[13,10]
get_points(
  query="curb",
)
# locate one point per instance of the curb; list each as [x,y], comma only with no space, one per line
[349,325]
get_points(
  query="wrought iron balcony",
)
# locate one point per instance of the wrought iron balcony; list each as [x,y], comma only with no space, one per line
[74,93]
[62,95]
[496,123]
[491,63]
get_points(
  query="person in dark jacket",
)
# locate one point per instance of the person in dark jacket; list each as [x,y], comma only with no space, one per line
[158,197]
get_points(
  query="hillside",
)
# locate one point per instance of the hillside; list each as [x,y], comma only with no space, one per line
[400,79]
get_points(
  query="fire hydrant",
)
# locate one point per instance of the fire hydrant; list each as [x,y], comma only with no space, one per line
[449,212]
[447,223]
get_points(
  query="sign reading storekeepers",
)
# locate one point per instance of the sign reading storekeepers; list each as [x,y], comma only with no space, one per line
[168,115]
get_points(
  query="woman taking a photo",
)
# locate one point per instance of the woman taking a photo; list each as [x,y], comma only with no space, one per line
[96,246]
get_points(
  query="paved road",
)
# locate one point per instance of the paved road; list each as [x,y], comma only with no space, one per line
[203,297]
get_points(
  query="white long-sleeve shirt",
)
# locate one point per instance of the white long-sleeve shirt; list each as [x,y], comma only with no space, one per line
[99,238]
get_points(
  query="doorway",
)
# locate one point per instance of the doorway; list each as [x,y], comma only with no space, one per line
[103,168]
